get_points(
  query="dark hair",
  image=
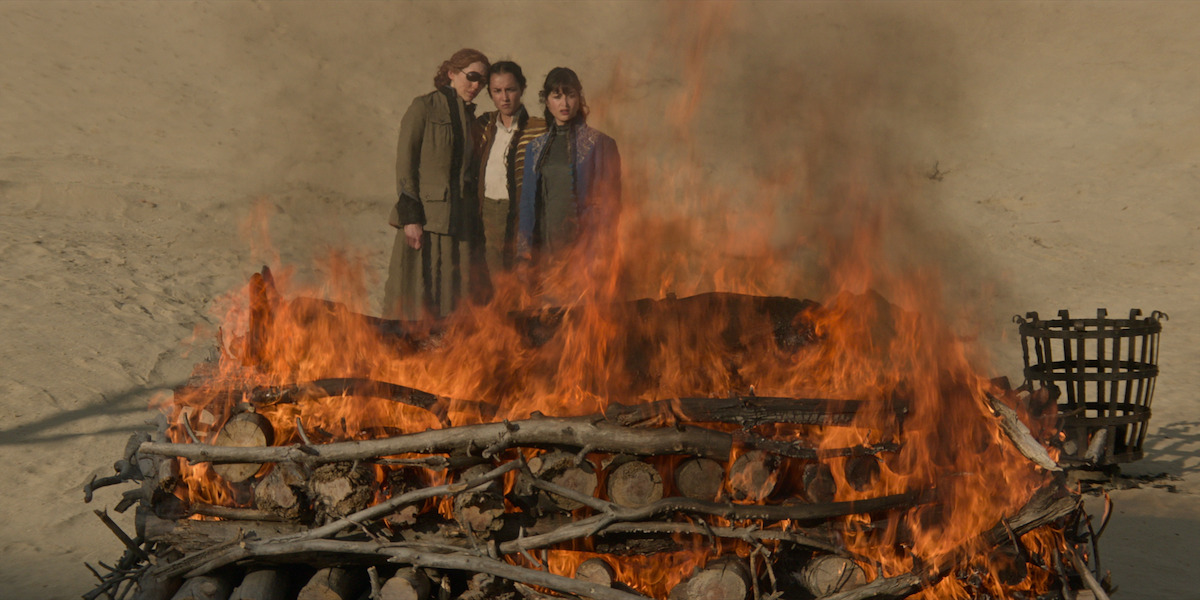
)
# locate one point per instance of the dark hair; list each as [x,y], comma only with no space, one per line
[461,60]
[562,79]
[510,67]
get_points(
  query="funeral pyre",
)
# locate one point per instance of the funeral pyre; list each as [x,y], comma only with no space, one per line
[714,446]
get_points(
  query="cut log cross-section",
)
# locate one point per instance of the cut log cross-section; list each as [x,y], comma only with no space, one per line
[700,478]
[566,470]
[243,430]
[635,484]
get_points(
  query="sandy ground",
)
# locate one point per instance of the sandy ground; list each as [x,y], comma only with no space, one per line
[137,138]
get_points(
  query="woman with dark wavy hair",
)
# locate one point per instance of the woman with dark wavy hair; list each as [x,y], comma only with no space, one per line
[437,212]
[572,183]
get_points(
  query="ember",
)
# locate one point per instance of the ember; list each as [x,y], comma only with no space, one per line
[714,446]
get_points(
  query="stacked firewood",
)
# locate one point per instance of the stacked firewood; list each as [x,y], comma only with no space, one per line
[477,511]
[496,509]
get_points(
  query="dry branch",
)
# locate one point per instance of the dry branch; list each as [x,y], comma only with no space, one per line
[577,432]
[1047,504]
[746,411]
[1020,435]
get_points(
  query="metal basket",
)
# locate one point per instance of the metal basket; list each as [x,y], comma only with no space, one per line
[1107,368]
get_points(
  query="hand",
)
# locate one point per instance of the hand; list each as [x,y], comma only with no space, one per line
[412,234]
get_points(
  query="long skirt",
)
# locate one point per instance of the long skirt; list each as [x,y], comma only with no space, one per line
[429,282]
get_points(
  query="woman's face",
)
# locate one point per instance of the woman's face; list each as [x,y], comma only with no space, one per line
[506,93]
[563,104]
[469,81]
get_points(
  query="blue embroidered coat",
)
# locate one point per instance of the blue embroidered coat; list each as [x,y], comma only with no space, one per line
[597,183]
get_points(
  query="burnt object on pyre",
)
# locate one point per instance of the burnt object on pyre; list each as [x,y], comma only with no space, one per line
[245,495]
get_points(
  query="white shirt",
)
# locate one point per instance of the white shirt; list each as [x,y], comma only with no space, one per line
[495,177]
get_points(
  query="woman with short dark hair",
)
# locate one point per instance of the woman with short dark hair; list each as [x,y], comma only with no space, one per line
[507,132]
[437,212]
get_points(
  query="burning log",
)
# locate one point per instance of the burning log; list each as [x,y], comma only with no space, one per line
[819,485]
[700,478]
[778,498]
[262,584]
[334,583]
[1047,504]
[753,476]
[634,484]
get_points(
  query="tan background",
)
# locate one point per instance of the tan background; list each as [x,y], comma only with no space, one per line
[136,138]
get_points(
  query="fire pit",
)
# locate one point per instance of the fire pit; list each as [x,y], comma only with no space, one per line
[582,452]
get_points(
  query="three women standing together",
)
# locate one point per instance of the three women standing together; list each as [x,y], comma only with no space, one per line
[476,196]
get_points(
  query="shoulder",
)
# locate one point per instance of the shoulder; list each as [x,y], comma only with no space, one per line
[534,127]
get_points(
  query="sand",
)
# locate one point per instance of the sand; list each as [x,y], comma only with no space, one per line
[1040,155]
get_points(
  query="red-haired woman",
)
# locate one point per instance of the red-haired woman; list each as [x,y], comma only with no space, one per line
[436,177]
